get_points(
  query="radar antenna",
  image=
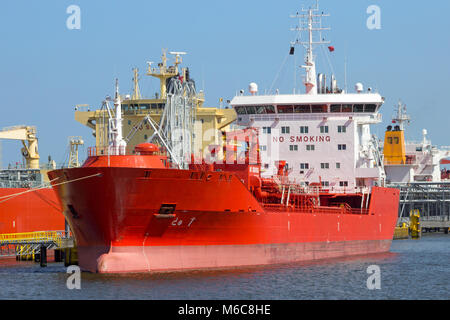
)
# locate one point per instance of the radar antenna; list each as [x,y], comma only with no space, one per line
[402,117]
[310,21]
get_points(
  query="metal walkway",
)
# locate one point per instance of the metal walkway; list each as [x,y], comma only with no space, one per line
[431,198]
[23,244]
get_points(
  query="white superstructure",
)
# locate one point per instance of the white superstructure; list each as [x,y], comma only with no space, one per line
[324,134]
[422,159]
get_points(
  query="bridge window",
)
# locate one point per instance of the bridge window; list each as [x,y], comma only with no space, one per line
[358,108]
[293,148]
[270,109]
[319,108]
[343,183]
[262,109]
[310,147]
[251,110]
[302,109]
[342,129]
[338,165]
[347,108]
[342,147]
[285,109]
[335,108]
[370,108]
[240,110]
[304,166]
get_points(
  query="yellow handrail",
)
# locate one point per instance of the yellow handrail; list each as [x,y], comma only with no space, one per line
[39,236]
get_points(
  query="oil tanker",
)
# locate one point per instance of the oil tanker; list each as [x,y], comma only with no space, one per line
[27,201]
[130,213]
[281,188]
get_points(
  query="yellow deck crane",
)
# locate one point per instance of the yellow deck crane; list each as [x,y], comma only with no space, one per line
[27,135]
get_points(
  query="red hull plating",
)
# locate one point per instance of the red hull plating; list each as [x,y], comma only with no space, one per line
[33,211]
[119,222]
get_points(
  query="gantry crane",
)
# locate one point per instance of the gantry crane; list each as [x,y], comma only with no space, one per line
[27,135]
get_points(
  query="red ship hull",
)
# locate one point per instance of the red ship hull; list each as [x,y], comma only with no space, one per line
[123,222]
[39,210]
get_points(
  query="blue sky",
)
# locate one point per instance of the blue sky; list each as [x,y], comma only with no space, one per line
[46,69]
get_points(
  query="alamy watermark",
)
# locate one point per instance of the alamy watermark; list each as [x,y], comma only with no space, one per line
[374,280]
[73,22]
[74,280]
[374,20]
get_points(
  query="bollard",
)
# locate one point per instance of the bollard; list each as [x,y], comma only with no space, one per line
[66,257]
[58,255]
[43,256]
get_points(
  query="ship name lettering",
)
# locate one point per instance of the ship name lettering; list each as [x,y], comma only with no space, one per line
[192,220]
[176,222]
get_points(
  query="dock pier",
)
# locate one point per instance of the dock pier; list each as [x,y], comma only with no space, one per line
[34,246]
[431,199]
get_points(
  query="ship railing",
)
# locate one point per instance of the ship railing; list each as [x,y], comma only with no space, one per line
[370,118]
[25,244]
[409,161]
[104,151]
[341,210]
[339,190]
[34,237]
[318,210]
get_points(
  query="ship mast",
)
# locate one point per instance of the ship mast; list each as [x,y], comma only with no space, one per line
[401,116]
[136,91]
[164,72]
[310,22]
[117,143]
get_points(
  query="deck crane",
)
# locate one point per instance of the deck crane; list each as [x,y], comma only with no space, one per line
[27,135]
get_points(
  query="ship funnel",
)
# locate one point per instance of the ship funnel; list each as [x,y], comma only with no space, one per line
[333,84]
[320,88]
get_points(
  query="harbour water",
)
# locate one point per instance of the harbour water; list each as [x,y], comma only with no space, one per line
[414,269]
